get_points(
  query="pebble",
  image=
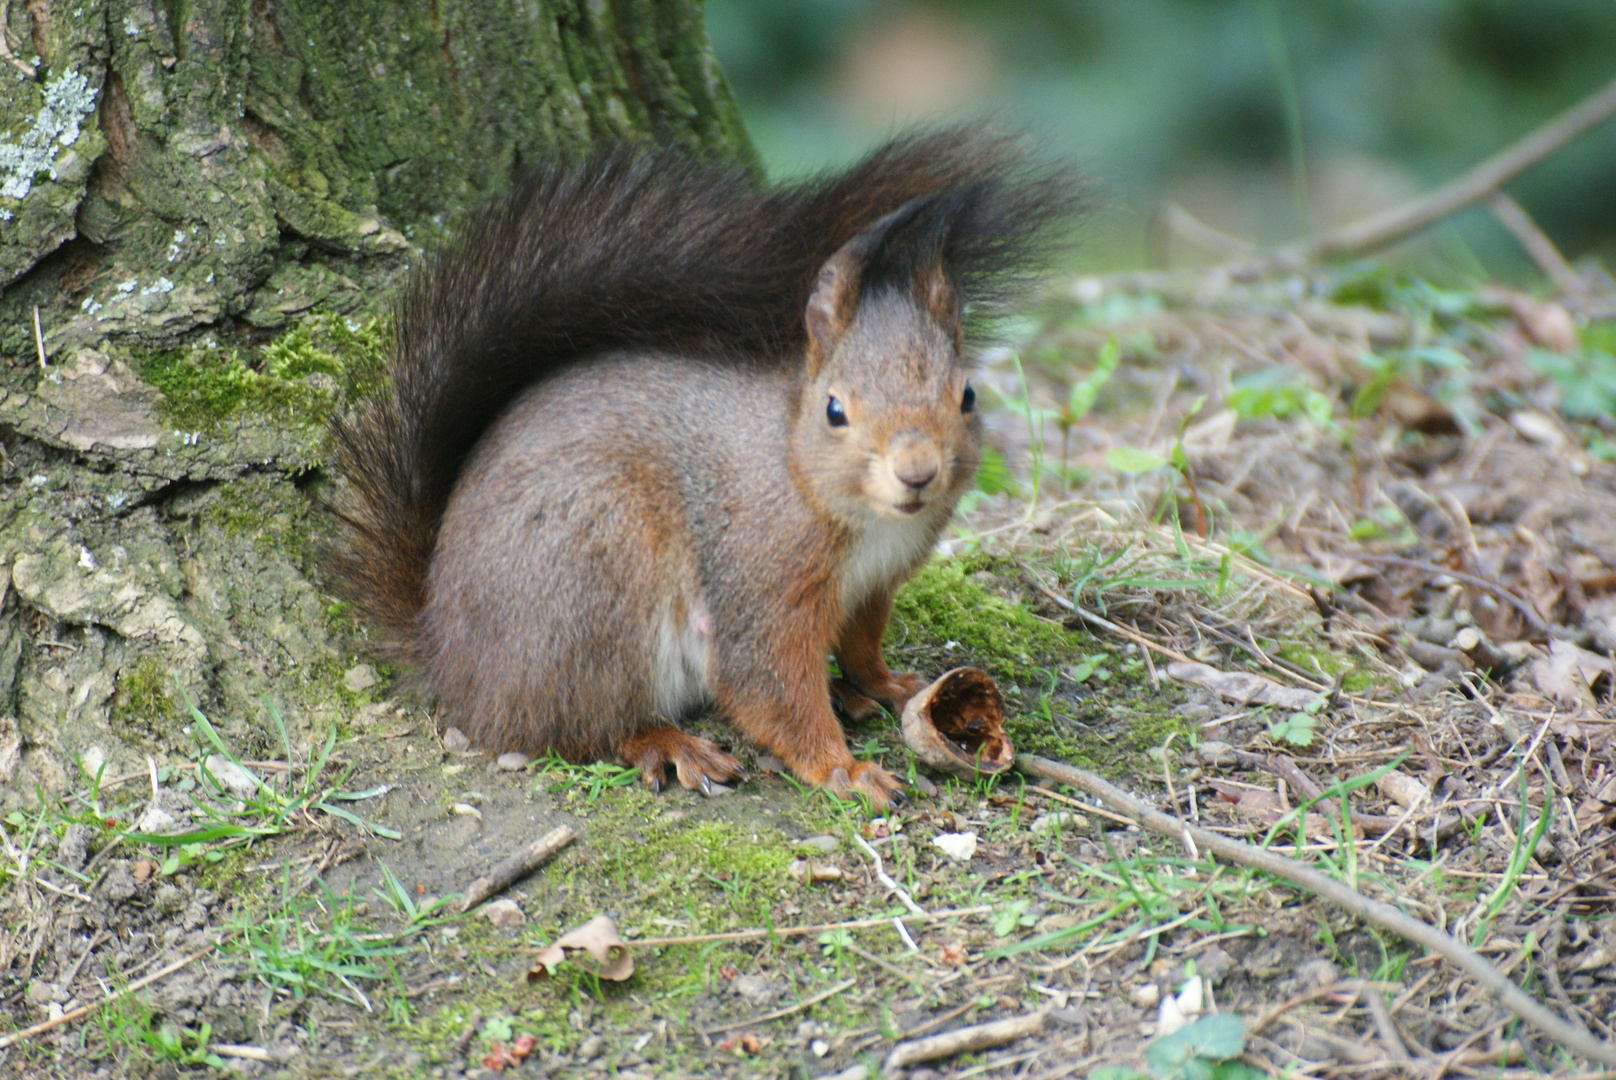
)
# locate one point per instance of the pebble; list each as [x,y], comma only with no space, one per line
[512,761]
[455,741]
[359,678]
[824,842]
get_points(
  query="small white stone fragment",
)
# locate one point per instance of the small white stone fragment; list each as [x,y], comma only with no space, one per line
[1170,1017]
[238,781]
[1146,996]
[467,810]
[957,846]
[512,761]
[154,819]
[1192,999]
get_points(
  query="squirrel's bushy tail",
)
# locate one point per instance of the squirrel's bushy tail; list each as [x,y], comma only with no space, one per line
[633,247]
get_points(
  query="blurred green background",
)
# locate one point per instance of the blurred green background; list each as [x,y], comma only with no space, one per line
[1263,118]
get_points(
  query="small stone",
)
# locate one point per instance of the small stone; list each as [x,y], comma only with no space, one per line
[1060,818]
[957,846]
[154,819]
[467,810]
[590,1048]
[1216,753]
[455,741]
[236,780]
[825,843]
[512,761]
[359,678]
[1145,996]
[1213,964]
[143,869]
[504,913]
[819,1047]
[925,786]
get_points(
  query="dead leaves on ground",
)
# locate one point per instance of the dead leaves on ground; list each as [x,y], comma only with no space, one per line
[596,939]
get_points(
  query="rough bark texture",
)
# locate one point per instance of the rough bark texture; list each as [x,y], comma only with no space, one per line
[176,180]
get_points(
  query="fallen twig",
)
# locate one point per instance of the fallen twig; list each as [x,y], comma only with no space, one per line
[787,1011]
[1533,619]
[517,866]
[1380,914]
[779,931]
[85,1010]
[884,878]
[964,1040]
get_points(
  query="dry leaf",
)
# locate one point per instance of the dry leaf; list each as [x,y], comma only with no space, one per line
[1543,322]
[1240,686]
[1568,673]
[598,937]
[1403,789]
[809,872]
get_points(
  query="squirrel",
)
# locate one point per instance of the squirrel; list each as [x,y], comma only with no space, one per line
[658,436]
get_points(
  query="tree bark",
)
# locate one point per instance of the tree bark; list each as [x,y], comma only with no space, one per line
[178,181]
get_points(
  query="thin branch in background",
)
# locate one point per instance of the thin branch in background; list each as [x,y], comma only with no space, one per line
[1397,222]
[1536,243]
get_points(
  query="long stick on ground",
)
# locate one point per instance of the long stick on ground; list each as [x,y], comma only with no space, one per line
[1383,915]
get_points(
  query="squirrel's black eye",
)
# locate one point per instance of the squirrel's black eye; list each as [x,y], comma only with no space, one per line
[968,399]
[835,414]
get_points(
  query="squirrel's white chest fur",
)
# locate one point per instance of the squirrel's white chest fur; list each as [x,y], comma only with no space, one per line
[881,552]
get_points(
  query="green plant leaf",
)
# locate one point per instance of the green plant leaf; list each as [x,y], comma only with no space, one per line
[1132,461]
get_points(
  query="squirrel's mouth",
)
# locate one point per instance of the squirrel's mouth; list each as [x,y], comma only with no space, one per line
[911,508]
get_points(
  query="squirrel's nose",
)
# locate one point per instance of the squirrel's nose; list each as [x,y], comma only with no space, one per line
[916,466]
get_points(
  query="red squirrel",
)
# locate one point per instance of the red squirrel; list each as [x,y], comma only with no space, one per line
[657,436]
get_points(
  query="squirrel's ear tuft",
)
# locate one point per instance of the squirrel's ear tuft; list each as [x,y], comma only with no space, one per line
[831,304]
[842,280]
[939,297]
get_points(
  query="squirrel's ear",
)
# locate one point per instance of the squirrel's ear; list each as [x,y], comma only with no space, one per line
[939,297]
[831,304]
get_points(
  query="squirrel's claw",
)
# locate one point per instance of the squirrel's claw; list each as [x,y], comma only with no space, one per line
[697,762]
[871,781]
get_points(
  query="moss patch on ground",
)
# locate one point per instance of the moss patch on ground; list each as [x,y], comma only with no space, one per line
[1067,694]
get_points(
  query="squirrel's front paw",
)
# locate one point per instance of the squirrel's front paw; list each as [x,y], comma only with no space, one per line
[871,781]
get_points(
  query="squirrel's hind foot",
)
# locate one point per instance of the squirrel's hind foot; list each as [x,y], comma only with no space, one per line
[871,781]
[697,762]
[854,703]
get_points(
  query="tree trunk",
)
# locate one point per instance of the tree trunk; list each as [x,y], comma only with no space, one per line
[176,180]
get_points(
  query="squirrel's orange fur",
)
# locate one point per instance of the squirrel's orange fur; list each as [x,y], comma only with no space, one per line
[657,437]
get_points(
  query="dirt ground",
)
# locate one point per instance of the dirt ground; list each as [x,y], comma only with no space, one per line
[1394,501]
